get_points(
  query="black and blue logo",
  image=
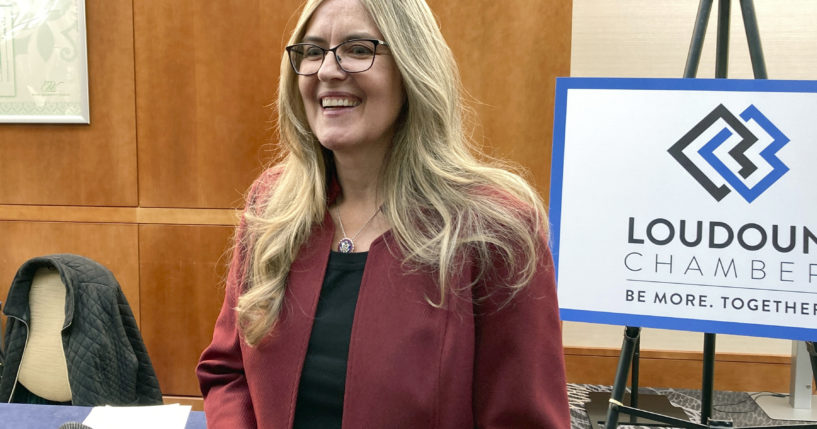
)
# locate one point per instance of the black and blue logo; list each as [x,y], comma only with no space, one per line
[738,180]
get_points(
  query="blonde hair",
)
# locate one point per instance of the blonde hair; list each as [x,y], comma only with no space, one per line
[442,203]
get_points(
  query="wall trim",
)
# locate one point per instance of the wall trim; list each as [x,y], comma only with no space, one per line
[135,215]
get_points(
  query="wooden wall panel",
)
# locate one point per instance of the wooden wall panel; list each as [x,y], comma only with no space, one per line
[510,54]
[679,369]
[206,74]
[112,245]
[82,164]
[182,270]
[196,116]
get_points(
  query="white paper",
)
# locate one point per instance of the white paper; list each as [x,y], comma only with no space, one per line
[173,416]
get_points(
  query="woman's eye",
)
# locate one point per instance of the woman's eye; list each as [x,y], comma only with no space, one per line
[359,50]
[313,52]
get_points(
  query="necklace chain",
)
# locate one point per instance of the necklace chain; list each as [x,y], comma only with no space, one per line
[346,244]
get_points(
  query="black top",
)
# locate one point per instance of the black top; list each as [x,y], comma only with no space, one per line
[323,378]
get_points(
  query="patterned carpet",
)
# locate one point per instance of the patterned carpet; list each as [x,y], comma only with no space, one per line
[740,407]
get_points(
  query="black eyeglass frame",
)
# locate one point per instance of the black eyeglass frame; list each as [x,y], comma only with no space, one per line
[334,52]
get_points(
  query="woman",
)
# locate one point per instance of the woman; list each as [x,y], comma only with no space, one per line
[382,276]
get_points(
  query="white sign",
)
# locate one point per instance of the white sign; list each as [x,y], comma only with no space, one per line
[43,61]
[687,204]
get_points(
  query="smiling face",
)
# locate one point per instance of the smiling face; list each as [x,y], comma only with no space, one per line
[350,111]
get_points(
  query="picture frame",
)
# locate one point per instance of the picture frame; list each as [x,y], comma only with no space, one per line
[43,62]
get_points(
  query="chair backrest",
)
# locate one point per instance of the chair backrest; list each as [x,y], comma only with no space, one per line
[43,368]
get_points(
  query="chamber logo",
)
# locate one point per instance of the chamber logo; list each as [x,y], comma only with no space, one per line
[737,166]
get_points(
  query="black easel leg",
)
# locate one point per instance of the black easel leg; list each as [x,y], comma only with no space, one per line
[707,386]
[631,335]
[747,7]
[634,375]
[722,46]
[721,66]
[697,42]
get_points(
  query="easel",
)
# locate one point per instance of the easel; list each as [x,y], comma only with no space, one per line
[631,344]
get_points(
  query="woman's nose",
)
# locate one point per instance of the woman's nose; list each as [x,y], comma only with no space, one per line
[330,69]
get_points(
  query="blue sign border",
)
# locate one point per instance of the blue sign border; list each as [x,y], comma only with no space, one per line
[563,84]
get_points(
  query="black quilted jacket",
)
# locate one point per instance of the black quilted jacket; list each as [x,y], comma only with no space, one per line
[107,360]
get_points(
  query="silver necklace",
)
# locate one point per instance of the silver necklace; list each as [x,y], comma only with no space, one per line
[346,244]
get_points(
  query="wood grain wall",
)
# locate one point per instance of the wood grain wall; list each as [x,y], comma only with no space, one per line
[682,369]
[180,94]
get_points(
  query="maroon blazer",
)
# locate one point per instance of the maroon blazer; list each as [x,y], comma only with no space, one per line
[410,365]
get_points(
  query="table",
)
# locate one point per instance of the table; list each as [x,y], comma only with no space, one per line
[28,416]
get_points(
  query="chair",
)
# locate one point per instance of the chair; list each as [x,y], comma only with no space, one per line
[71,338]
[43,368]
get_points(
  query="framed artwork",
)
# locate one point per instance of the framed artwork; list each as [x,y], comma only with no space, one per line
[43,62]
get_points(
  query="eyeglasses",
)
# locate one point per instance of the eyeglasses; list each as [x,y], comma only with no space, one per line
[353,56]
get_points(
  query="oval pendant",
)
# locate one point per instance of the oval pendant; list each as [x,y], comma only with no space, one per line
[345,245]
